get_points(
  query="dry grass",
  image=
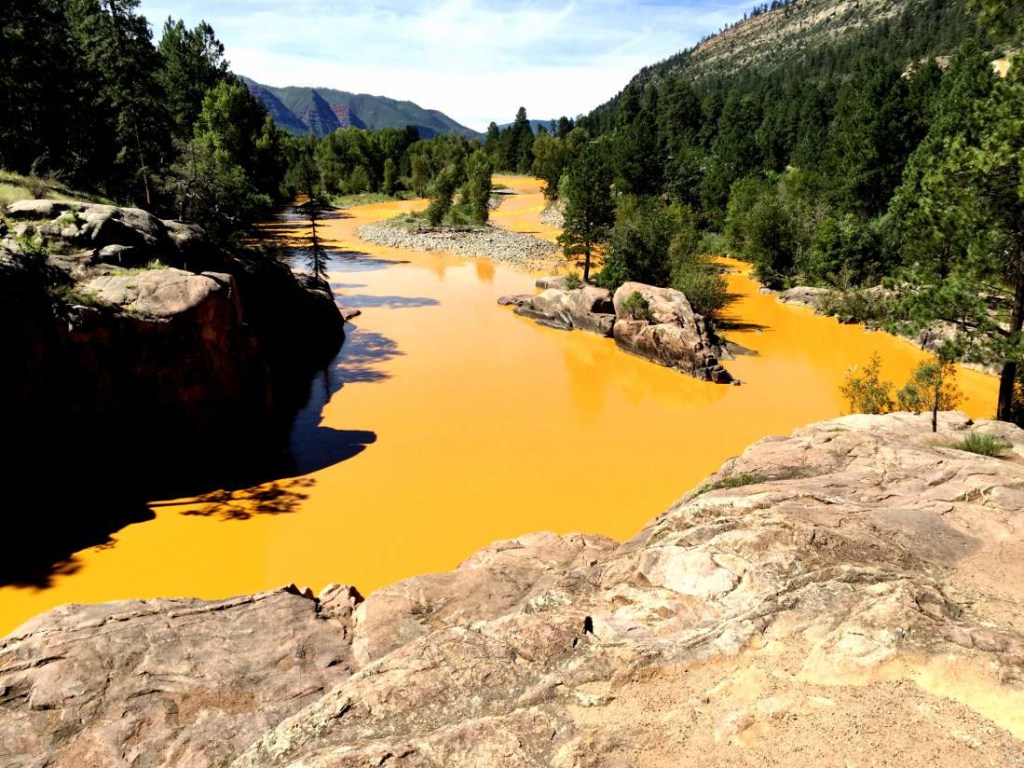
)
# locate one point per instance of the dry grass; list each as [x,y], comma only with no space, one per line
[14,186]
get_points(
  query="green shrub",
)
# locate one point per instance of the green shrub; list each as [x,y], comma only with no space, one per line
[38,186]
[732,481]
[636,307]
[573,281]
[712,244]
[860,305]
[866,391]
[71,295]
[982,444]
[33,247]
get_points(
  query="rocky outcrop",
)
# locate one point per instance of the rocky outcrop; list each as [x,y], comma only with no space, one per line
[843,596]
[155,349]
[807,295]
[587,308]
[662,326]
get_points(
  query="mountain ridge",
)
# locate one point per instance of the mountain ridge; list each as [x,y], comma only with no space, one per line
[304,109]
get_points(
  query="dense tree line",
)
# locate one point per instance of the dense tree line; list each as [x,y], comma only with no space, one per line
[887,164]
[86,96]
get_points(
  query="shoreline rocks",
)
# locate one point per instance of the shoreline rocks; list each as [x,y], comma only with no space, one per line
[860,576]
[487,241]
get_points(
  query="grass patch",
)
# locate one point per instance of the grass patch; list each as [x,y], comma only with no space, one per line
[409,221]
[983,445]
[15,186]
[731,481]
[149,267]
[73,296]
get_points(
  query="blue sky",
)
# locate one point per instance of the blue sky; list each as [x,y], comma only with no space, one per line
[475,61]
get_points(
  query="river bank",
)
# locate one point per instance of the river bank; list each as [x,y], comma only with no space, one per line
[446,423]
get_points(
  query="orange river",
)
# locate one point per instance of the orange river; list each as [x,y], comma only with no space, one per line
[474,425]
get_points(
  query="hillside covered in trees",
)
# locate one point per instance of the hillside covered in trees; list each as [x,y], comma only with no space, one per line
[872,148]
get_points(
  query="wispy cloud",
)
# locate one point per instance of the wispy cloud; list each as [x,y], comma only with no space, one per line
[476,61]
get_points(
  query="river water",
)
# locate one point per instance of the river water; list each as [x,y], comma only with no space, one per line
[446,423]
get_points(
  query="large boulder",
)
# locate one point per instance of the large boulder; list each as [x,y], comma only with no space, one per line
[586,308]
[667,331]
[807,295]
[551,308]
[201,680]
[592,310]
[160,292]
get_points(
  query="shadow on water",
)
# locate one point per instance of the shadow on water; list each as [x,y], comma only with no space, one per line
[104,485]
[44,548]
[726,324]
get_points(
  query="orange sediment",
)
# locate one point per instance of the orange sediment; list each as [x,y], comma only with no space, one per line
[477,425]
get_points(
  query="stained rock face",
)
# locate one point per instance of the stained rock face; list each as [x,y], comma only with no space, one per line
[112,318]
[671,333]
[849,595]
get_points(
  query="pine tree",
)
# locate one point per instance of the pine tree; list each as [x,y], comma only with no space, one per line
[589,211]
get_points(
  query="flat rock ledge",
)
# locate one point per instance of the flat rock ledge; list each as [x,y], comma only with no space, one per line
[487,241]
[850,595]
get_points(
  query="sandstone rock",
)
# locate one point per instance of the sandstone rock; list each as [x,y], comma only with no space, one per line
[836,597]
[515,300]
[551,308]
[193,363]
[672,334]
[594,322]
[561,282]
[586,308]
[159,292]
[104,225]
[37,209]
[187,238]
[164,682]
[589,299]
[809,296]
[592,310]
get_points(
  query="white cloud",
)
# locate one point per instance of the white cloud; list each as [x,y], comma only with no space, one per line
[475,61]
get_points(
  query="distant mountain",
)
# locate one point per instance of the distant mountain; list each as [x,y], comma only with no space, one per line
[300,110]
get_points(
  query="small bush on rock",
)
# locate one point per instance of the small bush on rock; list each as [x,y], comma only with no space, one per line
[983,445]
[637,308]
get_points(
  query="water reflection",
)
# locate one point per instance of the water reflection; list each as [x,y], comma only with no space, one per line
[364,301]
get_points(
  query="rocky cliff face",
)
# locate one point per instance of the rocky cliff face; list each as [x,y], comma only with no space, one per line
[849,595]
[133,340]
